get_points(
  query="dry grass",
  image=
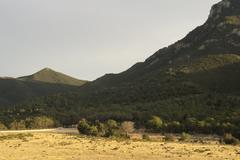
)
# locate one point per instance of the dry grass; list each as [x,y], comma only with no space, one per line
[53,146]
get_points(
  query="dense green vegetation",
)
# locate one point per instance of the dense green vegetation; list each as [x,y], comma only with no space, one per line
[108,129]
[193,125]
[111,128]
[14,91]
[40,122]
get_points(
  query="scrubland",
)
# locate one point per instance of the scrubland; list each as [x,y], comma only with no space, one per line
[56,146]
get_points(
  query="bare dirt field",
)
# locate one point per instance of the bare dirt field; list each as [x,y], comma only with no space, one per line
[59,146]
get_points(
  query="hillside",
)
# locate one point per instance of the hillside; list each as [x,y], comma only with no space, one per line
[206,60]
[43,83]
[50,76]
[197,76]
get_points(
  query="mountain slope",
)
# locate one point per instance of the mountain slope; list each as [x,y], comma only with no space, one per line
[43,83]
[50,76]
[196,76]
[216,44]
[217,36]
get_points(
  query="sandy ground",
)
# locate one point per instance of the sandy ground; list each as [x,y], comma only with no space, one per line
[56,146]
[53,130]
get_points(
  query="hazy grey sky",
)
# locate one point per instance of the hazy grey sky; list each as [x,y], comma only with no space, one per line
[88,38]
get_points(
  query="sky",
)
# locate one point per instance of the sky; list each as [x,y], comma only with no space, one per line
[89,38]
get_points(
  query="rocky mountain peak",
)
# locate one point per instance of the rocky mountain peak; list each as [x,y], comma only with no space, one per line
[219,35]
[225,8]
[46,70]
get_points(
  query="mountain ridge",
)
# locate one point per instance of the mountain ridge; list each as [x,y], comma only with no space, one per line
[42,83]
[205,39]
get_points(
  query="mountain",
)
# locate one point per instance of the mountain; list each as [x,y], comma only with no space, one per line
[205,61]
[50,76]
[197,76]
[43,83]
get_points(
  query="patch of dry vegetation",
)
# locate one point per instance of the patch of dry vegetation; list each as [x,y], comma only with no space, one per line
[52,146]
[20,136]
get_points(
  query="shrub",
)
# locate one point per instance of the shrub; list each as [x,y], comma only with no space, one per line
[116,133]
[108,129]
[185,137]
[146,137]
[127,127]
[93,131]
[190,124]
[113,130]
[83,127]
[170,138]
[110,132]
[155,123]
[101,127]
[173,127]
[18,125]
[112,124]
[2,126]
[229,139]
[41,122]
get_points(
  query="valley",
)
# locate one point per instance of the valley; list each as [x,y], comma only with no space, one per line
[182,102]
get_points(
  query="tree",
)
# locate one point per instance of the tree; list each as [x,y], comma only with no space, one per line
[83,126]
[112,128]
[185,137]
[2,126]
[227,127]
[93,131]
[15,125]
[190,124]
[174,126]
[155,123]
[127,126]
[201,126]
[229,139]
[101,128]
[41,122]
[112,124]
